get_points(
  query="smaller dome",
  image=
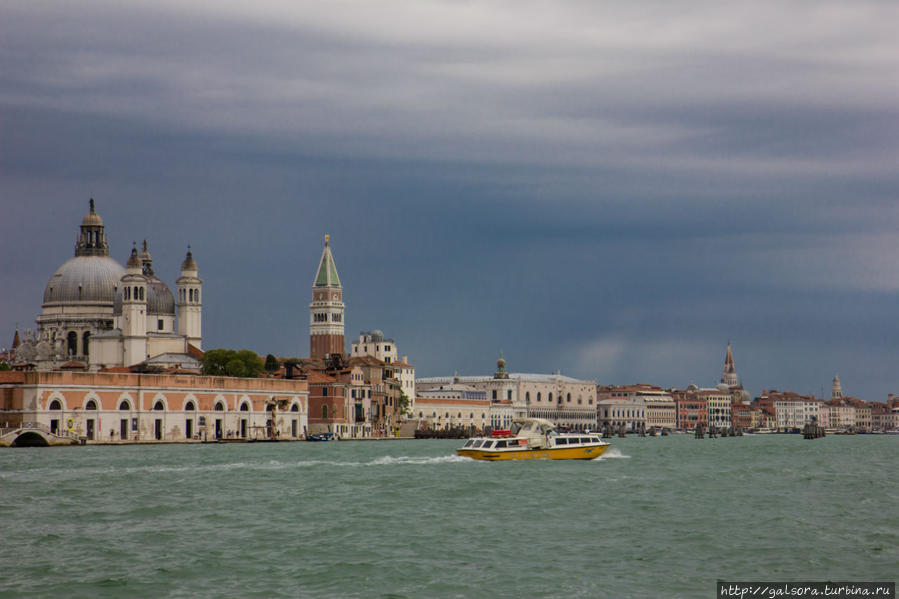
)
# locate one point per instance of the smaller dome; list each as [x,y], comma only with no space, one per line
[722,387]
[159,298]
[189,262]
[133,260]
[92,219]
[501,363]
[160,301]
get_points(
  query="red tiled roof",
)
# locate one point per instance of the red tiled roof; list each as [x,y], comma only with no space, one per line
[73,365]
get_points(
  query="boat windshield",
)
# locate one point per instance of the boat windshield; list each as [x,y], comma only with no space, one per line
[561,441]
[515,428]
[469,443]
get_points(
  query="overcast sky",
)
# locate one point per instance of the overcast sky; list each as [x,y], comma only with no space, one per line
[613,190]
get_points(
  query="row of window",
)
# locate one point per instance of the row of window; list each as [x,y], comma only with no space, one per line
[136,293]
[323,317]
[190,406]
[190,294]
[527,398]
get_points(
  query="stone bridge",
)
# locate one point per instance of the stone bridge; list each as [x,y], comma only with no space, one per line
[32,434]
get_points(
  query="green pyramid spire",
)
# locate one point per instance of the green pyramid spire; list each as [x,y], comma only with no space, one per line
[327,270]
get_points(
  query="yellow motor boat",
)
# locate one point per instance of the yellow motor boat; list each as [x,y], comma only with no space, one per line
[534,439]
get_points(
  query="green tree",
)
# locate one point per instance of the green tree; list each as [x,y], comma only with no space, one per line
[271,363]
[227,362]
[403,403]
[4,366]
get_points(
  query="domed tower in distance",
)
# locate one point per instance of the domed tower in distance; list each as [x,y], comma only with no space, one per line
[190,307]
[326,310]
[131,317]
[836,389]
[729,374]
[79,297]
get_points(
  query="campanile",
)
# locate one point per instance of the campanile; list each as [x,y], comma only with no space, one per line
[326,309]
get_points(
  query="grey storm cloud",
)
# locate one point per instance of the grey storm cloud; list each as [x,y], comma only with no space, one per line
[612,189]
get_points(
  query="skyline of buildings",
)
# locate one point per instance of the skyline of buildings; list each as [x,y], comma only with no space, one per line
[98,311]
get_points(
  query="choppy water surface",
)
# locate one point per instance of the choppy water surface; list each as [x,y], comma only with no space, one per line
[662,517]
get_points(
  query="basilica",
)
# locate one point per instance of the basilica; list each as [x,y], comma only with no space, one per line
[98,315]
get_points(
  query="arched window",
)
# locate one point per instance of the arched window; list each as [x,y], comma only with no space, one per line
[124,405]
[568,398]
[141,294]
[55,405]
[159,406]
[197,295]
[72,339]
[550,399]
[324,412]
[538,396]
[126,294]
[91,405]
[219,407]
[85,345]
[244,407]
[190,407]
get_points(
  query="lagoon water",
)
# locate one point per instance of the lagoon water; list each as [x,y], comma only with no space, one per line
[655,517]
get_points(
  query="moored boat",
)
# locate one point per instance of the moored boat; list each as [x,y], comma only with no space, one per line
[323,437]
[534,439]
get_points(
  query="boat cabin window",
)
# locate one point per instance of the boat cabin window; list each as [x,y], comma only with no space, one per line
[500,444]
[585,439]
[487,444]
[561,441]
[594,439]
[477,444]
[469,443]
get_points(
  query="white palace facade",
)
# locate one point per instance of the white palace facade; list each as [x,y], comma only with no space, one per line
[566,401]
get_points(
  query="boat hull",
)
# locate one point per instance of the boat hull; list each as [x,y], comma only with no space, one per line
[552,453]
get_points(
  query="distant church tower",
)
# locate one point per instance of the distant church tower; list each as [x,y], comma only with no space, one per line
[836,390]
[190,307]
[326,309]
[133,321]
[729,375]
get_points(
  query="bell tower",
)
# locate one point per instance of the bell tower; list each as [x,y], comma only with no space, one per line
[133,321]
[729,374]
[190,308]
[326,309]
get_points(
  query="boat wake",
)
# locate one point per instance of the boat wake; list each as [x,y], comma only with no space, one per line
[390,460]
[612,453]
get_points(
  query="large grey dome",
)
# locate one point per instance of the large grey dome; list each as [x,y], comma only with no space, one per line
[84,279]
[160,300]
